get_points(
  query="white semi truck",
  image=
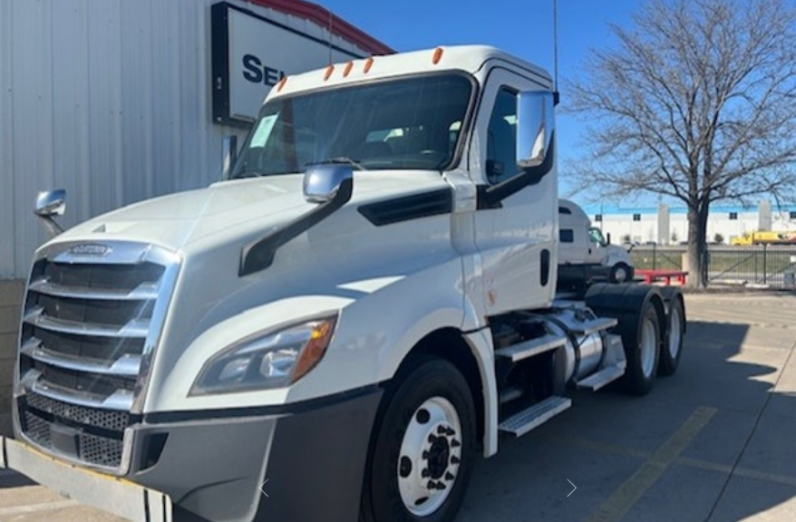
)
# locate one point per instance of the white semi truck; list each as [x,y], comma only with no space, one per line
[362,307]
[584,254]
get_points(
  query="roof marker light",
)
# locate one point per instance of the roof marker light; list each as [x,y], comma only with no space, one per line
[281,84]
[368,64]
[437,55]
[347,69]
[329,71]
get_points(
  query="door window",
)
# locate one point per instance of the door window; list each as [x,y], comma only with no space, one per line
[501,145]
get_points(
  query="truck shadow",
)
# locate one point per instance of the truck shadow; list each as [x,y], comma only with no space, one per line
[712,442]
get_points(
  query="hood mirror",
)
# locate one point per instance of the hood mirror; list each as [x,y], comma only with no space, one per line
[49,204]
[322,182]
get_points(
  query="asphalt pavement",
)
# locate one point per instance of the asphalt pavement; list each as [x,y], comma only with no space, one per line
[715,442]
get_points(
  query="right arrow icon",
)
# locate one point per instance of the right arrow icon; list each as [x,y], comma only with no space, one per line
[573,485]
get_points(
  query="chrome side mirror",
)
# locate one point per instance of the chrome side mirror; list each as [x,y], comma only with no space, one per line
[323,182]
[49,204]
[535,126]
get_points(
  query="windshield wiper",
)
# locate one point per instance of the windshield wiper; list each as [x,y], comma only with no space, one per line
[248,174]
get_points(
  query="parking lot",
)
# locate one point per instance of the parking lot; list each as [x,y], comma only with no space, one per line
[715,442]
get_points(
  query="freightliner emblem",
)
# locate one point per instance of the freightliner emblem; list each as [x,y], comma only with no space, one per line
[90,249]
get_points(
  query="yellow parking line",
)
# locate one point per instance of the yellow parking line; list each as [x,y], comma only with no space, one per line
[627,494]
[35,508]
[762,475]
[681,461]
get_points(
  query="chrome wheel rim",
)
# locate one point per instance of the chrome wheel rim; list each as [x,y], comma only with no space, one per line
[431,450]
[648,347]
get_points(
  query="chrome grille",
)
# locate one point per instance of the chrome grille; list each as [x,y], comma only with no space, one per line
[93,315]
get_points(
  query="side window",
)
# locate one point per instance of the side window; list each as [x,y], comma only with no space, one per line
[501,155]
[566,235]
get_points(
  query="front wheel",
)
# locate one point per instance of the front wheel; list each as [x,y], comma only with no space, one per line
[621,273]
[423,449]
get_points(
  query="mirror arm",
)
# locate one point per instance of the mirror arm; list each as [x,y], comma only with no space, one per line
[50,225]
[490,197]
[259,255]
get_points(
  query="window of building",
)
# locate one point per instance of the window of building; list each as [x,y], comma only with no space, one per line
[636,217]
[598,217]
[733,216]
[566,235]
[501,144]
[792,214]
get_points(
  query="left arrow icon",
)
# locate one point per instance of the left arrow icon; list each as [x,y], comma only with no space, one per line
[262,488]
[571,492]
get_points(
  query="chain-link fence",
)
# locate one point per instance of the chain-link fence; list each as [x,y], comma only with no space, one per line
[759,264]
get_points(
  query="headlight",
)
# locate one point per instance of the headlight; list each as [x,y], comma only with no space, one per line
[267,360]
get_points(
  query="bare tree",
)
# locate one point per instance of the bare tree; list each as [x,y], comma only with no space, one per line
[697,102]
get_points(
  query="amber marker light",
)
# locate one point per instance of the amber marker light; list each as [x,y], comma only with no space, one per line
[281,84]
[347,70]
[437,55]
[313,352]
[368,64]
[329,71]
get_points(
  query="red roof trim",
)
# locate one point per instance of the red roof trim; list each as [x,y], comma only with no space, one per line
[321,16]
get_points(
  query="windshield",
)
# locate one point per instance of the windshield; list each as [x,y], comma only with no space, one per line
[409,123]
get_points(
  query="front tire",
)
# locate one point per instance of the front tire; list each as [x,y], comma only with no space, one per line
[621,273]
[423,448]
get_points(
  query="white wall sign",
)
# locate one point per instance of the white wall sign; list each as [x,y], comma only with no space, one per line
[251,54]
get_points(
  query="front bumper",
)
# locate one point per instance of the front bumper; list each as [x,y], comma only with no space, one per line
[120,497]
[213,465]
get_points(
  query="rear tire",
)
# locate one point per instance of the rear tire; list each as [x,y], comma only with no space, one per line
[426,437]
[672,347]
[642,350]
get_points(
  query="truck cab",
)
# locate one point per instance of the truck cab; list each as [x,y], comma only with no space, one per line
[583,251]
[365,303]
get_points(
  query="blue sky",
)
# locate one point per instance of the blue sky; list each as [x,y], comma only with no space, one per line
[521,27]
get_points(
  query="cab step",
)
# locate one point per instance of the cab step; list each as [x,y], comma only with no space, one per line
[521,423]
[594,325]
[525,349]
[602,378]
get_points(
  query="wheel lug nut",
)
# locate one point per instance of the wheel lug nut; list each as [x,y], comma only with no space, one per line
[449,476]
[425,455]
[455,460]
[432,439]
[441,485]
[425,473]
[455,443]
[431,485]
[441,430]
[450,432]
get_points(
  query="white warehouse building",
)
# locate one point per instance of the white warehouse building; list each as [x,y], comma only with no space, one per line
[117,102]
[667,226]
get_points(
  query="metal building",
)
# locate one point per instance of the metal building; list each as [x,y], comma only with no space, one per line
[118,101]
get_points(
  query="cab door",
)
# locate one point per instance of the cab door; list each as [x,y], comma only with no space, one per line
[515,228]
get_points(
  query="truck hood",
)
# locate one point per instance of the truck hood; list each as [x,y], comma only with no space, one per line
[178,220]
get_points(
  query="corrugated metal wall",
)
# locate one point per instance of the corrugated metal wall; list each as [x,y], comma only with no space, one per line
[109,99]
